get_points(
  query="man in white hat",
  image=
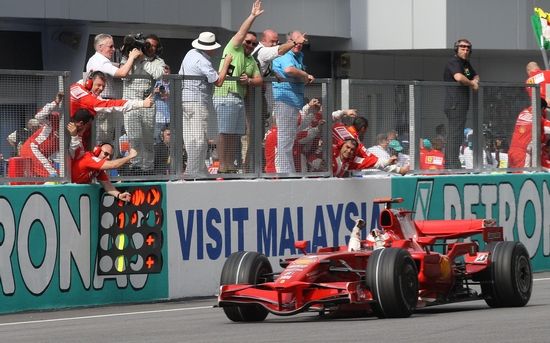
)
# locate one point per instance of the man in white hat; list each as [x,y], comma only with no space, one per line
[199,116]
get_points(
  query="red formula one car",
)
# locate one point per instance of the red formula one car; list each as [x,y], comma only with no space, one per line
[391,273]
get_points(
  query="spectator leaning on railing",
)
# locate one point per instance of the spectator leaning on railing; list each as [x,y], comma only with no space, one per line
[288,99]
[457,99]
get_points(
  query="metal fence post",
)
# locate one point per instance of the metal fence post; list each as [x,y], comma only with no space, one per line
[478,138]
[414,122]
[535,136]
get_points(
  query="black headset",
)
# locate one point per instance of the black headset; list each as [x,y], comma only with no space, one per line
[464,40]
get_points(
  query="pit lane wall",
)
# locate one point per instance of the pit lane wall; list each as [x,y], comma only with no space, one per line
[519,202]
[48,252]
[49,234]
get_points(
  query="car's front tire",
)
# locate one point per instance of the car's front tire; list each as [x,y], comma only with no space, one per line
[392,278]
[246,267]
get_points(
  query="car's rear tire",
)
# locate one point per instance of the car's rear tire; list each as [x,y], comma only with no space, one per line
[509,278]
[246,267]
[392,278]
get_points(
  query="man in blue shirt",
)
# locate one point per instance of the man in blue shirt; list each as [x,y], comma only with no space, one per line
[288,100]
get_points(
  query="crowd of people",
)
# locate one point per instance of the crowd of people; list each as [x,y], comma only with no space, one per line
[214,114]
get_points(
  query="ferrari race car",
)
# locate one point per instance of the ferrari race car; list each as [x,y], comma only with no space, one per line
[396,269]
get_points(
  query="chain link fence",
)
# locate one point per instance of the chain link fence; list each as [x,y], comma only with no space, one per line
[33,113]
[195,132]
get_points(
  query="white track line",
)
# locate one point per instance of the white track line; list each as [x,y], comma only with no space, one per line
[106,315]
[131,313]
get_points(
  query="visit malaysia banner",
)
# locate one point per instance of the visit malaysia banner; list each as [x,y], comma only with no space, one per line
[207,221]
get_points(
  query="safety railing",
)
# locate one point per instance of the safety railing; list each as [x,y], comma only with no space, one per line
[179,137]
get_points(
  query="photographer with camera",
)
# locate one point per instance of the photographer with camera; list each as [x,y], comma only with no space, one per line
[102,61]
[140,124]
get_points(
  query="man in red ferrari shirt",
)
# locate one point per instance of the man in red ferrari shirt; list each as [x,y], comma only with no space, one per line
[343,154]
[363,158]
[431,157]
[89,165]
[519,154]
[44,142]
[86,94]
[538,77]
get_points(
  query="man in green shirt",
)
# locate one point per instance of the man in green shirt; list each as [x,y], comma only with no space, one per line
[229,98]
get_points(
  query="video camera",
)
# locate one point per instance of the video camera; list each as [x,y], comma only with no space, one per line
[133,41]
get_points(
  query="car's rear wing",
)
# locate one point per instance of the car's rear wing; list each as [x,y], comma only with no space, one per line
[460,228]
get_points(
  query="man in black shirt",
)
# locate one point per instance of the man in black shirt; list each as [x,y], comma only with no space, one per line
[457,99]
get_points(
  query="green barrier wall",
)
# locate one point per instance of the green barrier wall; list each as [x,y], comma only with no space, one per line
[519,202]
[48,246]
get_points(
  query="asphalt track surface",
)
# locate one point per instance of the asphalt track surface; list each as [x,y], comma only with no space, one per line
[199,321]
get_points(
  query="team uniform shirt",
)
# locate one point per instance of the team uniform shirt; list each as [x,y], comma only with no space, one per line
[85,167]
[98,62]
[84,98]
[270,150]
[521,138]
[431,159]
[44,142]
[538,77]
[340,166]
[363,158]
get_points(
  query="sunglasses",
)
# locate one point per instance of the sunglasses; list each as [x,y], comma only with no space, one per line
[106,153]
[463,46]
[249,42]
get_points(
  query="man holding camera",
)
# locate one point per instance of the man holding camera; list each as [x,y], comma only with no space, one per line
[102,61]
[140,124]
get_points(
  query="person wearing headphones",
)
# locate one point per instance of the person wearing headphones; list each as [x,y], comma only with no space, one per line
[458,69]
[86,94]
[89,165]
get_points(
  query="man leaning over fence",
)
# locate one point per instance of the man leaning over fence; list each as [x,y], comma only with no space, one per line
[86,94]
[87,166]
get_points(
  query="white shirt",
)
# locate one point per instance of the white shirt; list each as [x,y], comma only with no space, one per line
[198,63]
[98,62]
[265,56]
